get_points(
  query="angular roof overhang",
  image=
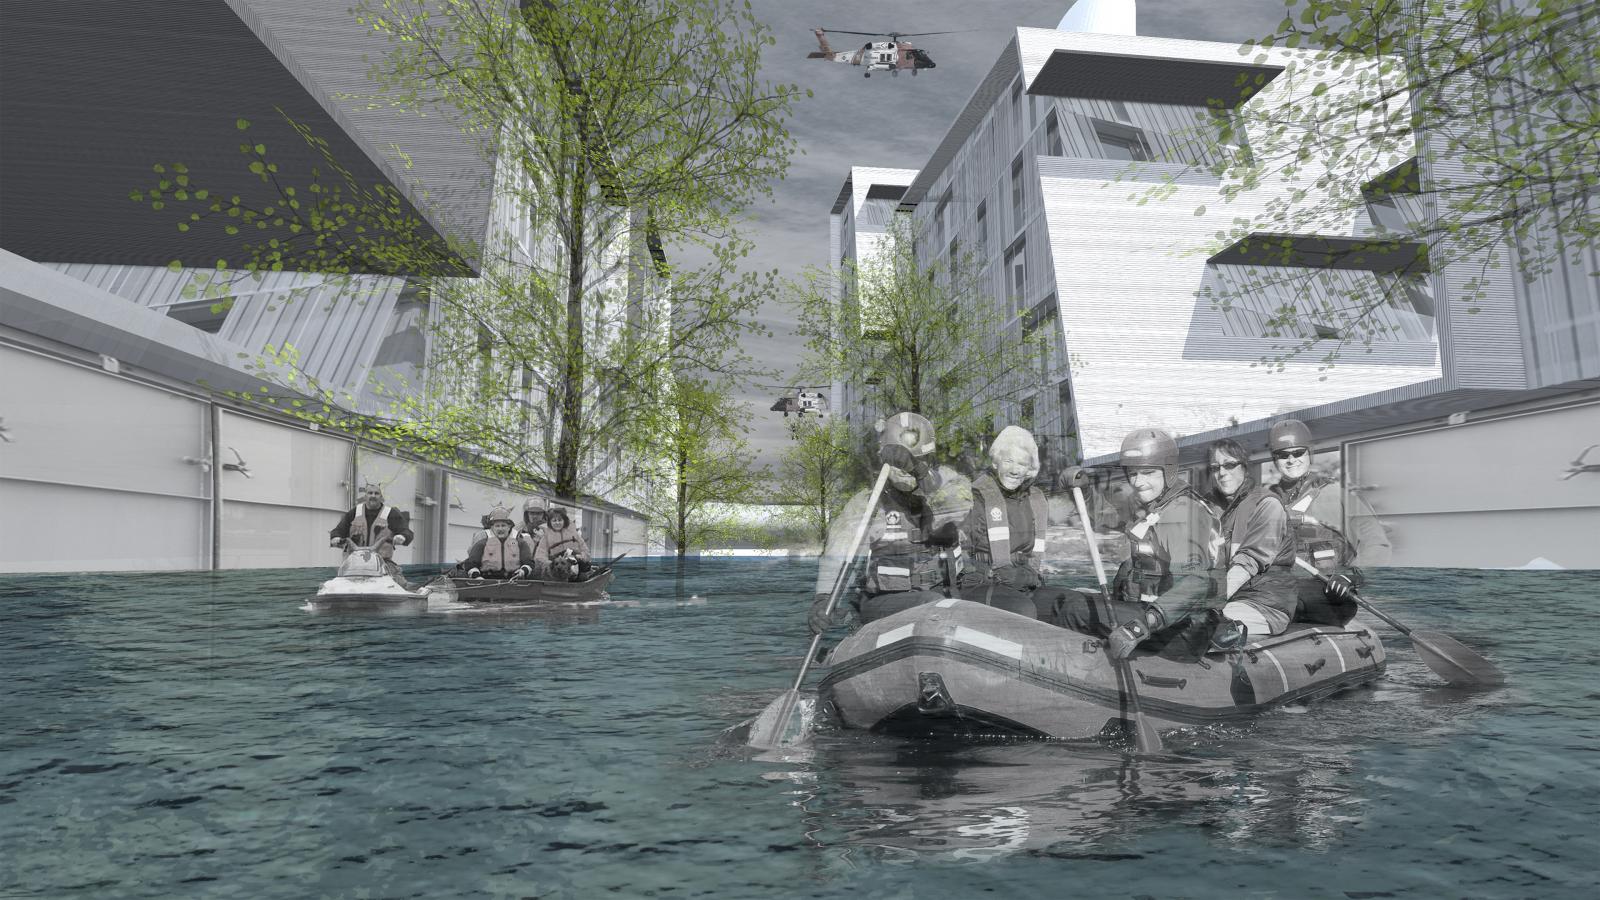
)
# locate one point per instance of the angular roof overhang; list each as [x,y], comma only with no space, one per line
[1315,251]
[1144,78]
[99,92]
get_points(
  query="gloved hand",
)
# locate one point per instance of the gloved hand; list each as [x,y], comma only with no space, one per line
[1075,477]
[337,543]
[524,572]
[1340,587]
[400,540]
[474,573]
[1129,635]
[818,619]
[900,457]
[946,535]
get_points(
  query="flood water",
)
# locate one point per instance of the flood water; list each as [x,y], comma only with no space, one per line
[202,735]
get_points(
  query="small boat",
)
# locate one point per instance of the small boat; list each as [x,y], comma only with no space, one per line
[532,590]
[365,583]
[955,668]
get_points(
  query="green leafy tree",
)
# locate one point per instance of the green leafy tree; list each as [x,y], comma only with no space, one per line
[1498,101]
[922,337]
[704,467]
[816,475]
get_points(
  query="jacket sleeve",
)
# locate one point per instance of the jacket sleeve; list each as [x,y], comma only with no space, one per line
[1262,537]
[400,524]
[951,499]
[1365,534]
[1189,534]
[474,558]
[837,554]
[342,530]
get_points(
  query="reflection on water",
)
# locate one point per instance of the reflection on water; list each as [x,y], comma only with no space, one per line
[201,735]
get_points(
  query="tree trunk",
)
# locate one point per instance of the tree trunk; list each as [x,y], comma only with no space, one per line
[567,450]
[683,502]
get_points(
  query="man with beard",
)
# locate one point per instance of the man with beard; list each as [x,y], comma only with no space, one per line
[372,524]
[1168,590]
[1258,545]
[1005,529]
[912,538]
[1339,536]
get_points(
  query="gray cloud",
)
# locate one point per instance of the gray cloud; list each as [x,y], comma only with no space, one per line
[897,122]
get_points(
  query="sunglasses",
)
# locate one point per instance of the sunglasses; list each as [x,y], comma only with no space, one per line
[1296,453]
[1224,467]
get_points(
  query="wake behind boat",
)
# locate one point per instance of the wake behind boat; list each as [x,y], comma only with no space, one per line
[960,668]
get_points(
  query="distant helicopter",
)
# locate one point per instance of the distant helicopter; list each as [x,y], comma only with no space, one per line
[885,56]
[801,403]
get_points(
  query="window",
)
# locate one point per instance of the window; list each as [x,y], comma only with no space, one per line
[938,215]
[955,261]
[1052,136]
[1119,141]
[1027,414]
[198,314]
[1016,194]
[1016,276]
[982,227]
[1016,103]
[1040,314]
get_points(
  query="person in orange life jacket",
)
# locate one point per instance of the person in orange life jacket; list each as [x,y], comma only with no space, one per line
[501,553]
[1258,544]
[1005,529]
[1340,536]
[559,551]
[370,522]
[912,535]
[1168,591]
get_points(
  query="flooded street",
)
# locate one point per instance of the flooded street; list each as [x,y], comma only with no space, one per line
[200,734]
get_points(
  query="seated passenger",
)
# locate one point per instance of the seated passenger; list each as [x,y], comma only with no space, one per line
[372,524]
[533,517]
[1168,587]
[1258,545]
[1005,529]
[560,553]
[500,553]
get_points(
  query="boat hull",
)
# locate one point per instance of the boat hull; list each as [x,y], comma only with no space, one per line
[475,591]
[956,667]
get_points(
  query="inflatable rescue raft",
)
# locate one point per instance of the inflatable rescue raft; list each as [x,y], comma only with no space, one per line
[955,667]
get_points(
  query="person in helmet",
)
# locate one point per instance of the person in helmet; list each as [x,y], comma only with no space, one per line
[372,523]
[560,552]
[913,536]
[1005,528]
[1339,535]
[1258,545]
[533,517]
[502,552]
[1167,591]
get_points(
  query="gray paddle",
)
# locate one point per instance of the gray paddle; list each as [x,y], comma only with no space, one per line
[1447,657]
[788,720]
[1145,736]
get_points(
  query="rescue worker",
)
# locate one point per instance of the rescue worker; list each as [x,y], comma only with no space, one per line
[559,552]
[533,517]
[1168,589]
[1005,529]
[503,552]
[1258,545]
[1339,536]
[371,523]
[912,537]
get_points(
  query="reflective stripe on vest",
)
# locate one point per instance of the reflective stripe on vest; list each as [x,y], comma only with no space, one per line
[358,526]
[899,560]
[1322,544]
[995,507]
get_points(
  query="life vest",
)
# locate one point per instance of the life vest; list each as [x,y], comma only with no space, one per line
[358,526]
[899,559]
[993,502]
[1319,543]
[557,541]
[502,555]
[1147,573]
[1237,523]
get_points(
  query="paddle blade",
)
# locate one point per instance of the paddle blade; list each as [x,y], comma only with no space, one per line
[788,721]
[1454,661]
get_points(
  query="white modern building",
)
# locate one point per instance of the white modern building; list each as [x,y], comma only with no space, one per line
[1077,172]
[114,386]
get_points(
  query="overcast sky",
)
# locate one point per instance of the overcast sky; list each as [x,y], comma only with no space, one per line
[897,122]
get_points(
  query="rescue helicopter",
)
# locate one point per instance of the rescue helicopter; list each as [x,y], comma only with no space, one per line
[802,402]
[884,56]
